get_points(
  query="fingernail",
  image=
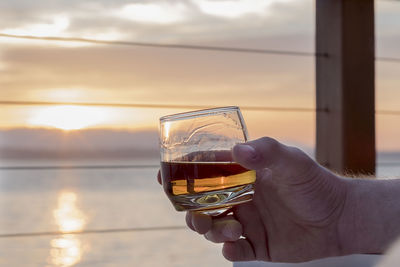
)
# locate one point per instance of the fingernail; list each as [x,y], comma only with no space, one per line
[246,151]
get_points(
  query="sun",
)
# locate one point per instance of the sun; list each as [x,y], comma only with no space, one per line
[68,117]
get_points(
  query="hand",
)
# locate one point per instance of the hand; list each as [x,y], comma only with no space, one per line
[295,215]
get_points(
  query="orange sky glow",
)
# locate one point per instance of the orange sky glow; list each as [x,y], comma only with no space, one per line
[34,70]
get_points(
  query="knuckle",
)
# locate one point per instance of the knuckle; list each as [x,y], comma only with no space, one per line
[298,153]
[301,157]
[267,140]
[270,143]
[306,167]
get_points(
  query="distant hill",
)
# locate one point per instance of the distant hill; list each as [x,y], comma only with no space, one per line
[26,143]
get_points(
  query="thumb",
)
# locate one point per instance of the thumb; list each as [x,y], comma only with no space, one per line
[269,153]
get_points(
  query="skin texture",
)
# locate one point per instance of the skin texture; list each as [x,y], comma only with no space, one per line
[301,211]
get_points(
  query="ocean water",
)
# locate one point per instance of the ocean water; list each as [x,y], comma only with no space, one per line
[65,200]
[37,201]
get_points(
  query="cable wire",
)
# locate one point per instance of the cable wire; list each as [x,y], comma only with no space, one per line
[158,45]
[177,106]
[145,166]
[95,231]
[164,106]
[181,46]
[96,167]
[72,167]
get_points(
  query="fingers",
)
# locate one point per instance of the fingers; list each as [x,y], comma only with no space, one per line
[198,222]
[217,230]
[202,223]
[254,245]
[224,229]
[269,153]
[240,250]
[259,154]
[159,177]
[188,219]
[254,228]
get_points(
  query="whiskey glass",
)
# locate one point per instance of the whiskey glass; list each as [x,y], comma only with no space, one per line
[197,169]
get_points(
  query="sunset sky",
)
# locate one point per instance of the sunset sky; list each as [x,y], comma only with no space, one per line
[34,70]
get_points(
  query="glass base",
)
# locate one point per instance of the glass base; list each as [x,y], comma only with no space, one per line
[214,202]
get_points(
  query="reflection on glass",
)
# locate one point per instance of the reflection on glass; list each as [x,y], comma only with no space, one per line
[67,250]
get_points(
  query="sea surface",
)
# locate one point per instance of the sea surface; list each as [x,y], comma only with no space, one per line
[130,202]
[126,217]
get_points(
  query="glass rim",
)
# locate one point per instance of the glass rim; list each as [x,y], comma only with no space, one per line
[200,112]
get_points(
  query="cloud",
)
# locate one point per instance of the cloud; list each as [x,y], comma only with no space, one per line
[153,13]
[176,20]
[235,9]
[195,20]
[57,25]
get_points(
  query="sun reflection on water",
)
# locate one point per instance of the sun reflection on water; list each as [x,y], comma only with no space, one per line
[67,250]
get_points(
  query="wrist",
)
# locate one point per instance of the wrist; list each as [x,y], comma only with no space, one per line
[368,224]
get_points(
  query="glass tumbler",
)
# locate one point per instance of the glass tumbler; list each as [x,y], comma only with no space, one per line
[197,169]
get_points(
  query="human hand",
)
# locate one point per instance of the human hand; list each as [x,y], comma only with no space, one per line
[295,214]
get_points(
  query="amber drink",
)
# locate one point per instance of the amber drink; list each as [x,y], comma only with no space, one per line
[197,169]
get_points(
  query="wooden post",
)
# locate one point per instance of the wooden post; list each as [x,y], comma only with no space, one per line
[345,84]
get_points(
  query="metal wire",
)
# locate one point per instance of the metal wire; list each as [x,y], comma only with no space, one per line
[183,46]
[95,231]
[96,167]
[177,106]
[163,106]
[71,167]
[158,45]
